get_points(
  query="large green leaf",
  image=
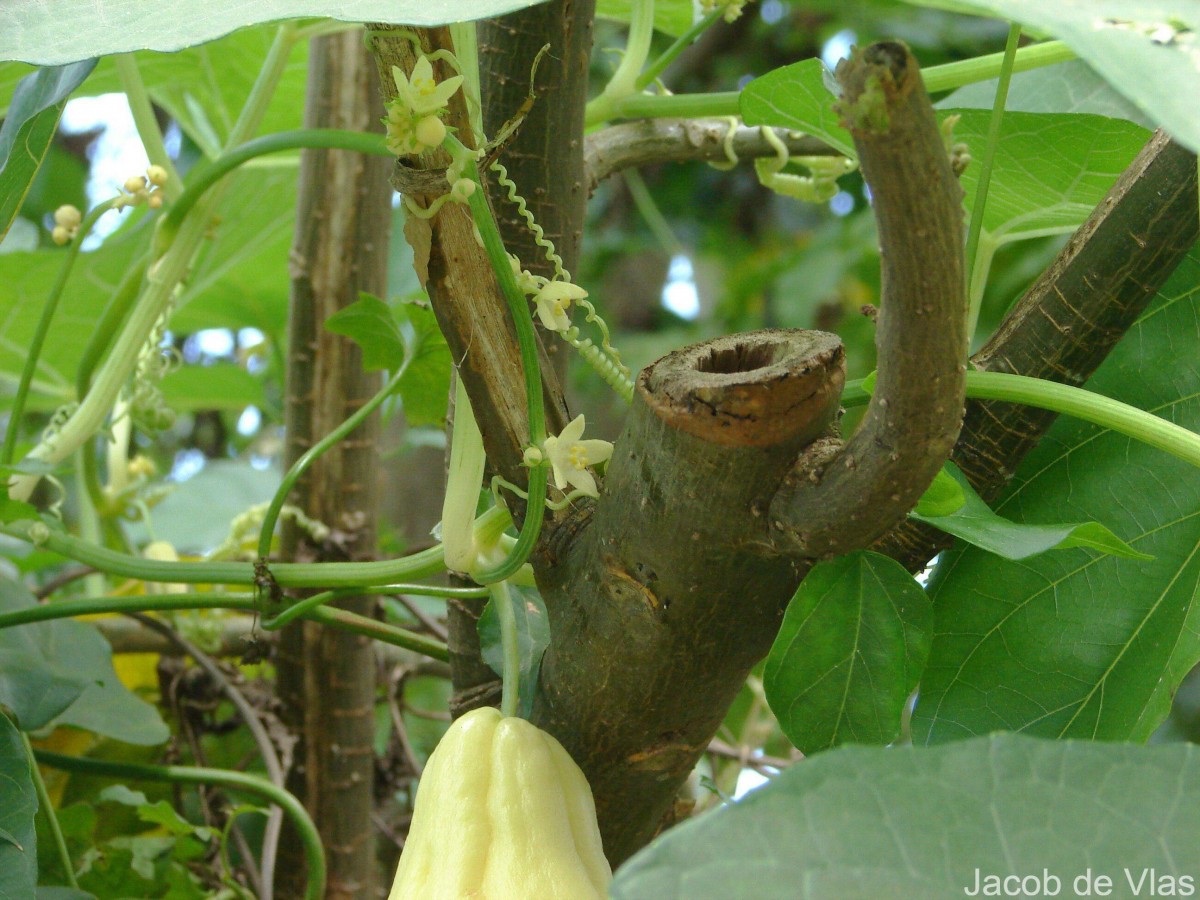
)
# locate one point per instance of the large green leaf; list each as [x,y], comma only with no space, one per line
[849,653]
[919,823]
[18,804]
[50,32]
[972,520]
[425,387]
[1050,170]
[73,650]
[1069,87]
[1072,644]
[28,129]
[1146,49]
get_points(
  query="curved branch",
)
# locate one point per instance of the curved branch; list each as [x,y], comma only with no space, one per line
[1069,320]
[841,499]
[651,141]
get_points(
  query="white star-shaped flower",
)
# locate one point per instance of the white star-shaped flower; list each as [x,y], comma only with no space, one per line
[570,457]
[553,301]
[421,93]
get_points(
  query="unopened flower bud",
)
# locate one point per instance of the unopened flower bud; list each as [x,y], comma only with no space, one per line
[154,201]
[68,216]
[431,131]
[60,235]
[157,175]
[135,183]
[463,188]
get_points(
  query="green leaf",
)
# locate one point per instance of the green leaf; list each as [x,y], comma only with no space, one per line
[974,522]
[62,893]
[1068,87]
[1072,644]
[28,130]
[41,31]
[425,387]
[18,804]
[799,97]
[671,16]
[850,651]
[945,496]
[220,386]
[1146,49]
[68,678]
[533,637]
[369,322]
[918,823]
[1031,195]
[15,510]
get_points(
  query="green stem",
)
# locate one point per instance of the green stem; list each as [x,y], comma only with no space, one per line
[43,795]
[308,604]
[337,618]
[981,68]
[936,78]
[975,291]
[527,342]
[1072,401]
[637,48]
[315,452]
[312,575]
[511,666]
[240,781]
[145,121]
[1091,407]
[206,176]
[681,43]
[685,106]
[264,86]
[43,328]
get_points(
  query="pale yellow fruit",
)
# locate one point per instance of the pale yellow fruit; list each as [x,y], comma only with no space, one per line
[502,813]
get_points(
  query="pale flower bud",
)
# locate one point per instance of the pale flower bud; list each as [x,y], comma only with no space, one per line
[431,131]
[135,183]
[154,201]
[60,235]
[68,216]
[157,175]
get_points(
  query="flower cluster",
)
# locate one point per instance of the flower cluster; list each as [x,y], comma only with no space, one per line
[66,224]
[733,8]
[569,457]
[144,189]
[414,119]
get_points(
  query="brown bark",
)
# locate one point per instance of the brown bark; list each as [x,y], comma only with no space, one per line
[841,499]
[327,678]
[664,594]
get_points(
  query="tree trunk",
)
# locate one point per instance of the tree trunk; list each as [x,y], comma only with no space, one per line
[327,678]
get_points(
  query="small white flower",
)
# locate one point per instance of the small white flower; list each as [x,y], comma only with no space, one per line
[553,301]
[570,457]
[421,93]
